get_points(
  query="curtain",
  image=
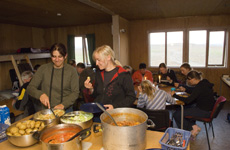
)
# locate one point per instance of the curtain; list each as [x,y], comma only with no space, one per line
[91,47]
[70,47]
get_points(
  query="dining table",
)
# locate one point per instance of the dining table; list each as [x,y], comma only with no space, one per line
[93,142]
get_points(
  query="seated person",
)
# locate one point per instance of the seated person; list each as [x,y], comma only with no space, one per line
[72,62]
[168,76]
[152,98]
[23,101]
[36,67]
[129,69]
[87,72]
[203,97]
[185,68]
[142,74]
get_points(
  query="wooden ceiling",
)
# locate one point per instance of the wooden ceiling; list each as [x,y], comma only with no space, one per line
[43,13]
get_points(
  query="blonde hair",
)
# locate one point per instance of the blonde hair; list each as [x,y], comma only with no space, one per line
[148,89]
[104,51]
[118,63]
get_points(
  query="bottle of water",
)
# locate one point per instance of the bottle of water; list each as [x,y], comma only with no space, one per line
[5,115]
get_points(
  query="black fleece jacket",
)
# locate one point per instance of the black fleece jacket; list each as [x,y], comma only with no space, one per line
[202,95]
[119,92]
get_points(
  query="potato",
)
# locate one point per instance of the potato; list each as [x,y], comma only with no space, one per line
[28,126]
[42,124]
[17,134]
[14,130]
[22,126]
[40,128]
[37,124]
[32,122]
[32,126]
[8,133]
[18,124]
[21,132]
[27,121]
[35,129]
[28,131]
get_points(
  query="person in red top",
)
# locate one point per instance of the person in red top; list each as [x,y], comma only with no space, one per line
[142,74]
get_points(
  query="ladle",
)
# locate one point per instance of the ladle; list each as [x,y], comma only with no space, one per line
[79,133]
[98,105]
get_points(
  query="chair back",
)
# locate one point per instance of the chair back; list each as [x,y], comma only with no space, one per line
[159,117]
[218,106]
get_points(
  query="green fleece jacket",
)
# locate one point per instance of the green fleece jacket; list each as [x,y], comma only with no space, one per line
[40,84]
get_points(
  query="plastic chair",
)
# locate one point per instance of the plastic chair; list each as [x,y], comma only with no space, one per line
[215,111]
[159,117]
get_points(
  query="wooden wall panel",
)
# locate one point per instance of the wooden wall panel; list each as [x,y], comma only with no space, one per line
[102,33]
[5,81]
[124,41]
[139,40]
[13,37]
[38,40]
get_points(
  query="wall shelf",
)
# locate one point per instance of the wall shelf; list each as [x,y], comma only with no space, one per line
[4,58]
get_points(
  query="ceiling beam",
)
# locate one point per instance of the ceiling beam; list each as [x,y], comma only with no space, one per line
[97,6]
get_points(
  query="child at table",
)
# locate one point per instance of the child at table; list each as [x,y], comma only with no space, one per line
[152,98]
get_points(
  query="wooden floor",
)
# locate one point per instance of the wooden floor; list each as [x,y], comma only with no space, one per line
[221,141]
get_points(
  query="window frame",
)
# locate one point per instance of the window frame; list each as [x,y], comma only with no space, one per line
[165,31]
[208,30]
[185,51]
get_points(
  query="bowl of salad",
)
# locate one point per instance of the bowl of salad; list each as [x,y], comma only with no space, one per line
[81,118]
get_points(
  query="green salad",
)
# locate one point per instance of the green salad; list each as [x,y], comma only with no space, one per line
[78,117]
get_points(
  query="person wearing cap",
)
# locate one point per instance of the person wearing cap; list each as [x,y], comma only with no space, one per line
[142,74]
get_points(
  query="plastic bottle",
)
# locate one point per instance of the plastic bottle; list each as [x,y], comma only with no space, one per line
[5,115]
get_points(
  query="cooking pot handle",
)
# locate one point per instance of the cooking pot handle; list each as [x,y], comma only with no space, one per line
[151,125]
[85,133]
[95,130]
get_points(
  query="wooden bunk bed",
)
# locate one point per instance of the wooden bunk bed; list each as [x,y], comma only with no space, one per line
[16,59]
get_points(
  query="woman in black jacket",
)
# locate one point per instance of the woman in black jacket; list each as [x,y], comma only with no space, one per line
[168,76]
[203,97]
[113,85]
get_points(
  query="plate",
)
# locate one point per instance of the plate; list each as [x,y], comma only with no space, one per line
[91,107]
[182,94]
[162,85]
[164,80]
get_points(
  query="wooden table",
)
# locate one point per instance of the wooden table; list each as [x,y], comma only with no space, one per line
[94,142]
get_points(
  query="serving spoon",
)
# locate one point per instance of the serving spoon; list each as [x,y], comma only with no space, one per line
[98,105]
[87,130]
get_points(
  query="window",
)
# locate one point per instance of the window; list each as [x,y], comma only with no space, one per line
[81,50]
[216,48]
[197,48]
[206,48]
[170,53]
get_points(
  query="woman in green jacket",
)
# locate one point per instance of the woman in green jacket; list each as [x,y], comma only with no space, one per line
[55,84]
